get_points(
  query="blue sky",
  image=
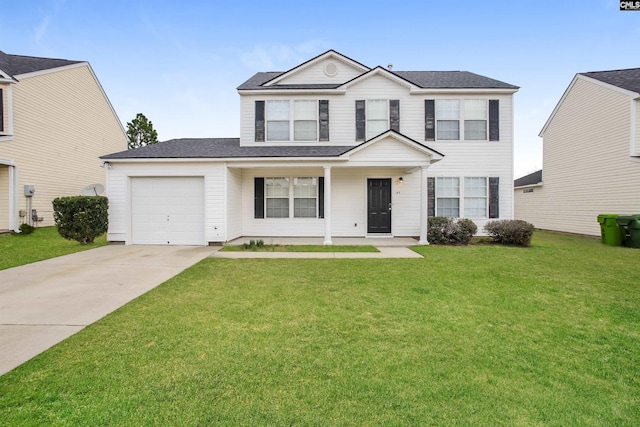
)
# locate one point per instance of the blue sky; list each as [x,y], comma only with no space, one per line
[179,63]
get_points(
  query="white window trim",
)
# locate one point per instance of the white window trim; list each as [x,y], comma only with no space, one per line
[461,119]
[292,120]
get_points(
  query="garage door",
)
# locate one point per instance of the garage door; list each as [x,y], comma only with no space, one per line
[167,211]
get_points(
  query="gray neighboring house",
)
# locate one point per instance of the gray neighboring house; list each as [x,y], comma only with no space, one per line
[591,156]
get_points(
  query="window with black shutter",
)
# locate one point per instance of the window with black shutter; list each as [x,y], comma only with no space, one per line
[360,120]
[259,121]
[258,203]
[494,120]
[323,105]
[394,114]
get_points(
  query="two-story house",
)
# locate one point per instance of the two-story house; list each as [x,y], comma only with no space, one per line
[55,120]
[591,156]
[329,148]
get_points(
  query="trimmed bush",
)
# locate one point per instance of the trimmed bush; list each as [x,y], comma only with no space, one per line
[510,231]
[444,230]
[81,218]
[26,229]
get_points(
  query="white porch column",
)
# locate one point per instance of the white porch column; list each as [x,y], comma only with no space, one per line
[327,206]
[424,197]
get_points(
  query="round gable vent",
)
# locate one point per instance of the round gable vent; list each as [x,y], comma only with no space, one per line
[331,69]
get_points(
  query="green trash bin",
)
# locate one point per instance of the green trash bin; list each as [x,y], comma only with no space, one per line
[630,224]
[610,232]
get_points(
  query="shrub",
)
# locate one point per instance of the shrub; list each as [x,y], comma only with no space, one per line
[444,230]
[510,231]
[27,229]
[81,218]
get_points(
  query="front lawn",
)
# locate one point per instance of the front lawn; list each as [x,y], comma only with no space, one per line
[480,335]
[43,243]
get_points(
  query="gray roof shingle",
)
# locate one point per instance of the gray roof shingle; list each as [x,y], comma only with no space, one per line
[531,179]
[628,79]
[19,64]
[218,148]
[422,79]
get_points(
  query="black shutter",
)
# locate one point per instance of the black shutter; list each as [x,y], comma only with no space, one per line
[1,112]
[360,120]
[259,121]
[494,197]
[429,119]
[321,197]
[394,114]
[323,106]
[494,120]
[258,198]
[431,196]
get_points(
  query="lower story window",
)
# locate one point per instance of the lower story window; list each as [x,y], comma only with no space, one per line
[277,197]
[305,197]
[284,195]
[448,197]
[475,197]
[462,197]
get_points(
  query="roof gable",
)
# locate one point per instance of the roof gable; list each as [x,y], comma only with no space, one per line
[394,147]
[379,71]
[329,67]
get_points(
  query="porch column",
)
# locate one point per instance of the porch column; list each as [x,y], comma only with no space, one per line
[327,206]
[424,197]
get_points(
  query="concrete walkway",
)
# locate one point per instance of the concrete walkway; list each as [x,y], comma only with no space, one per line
[43,303]
[389,247]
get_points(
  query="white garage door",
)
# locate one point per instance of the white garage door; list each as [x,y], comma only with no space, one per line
[167,211]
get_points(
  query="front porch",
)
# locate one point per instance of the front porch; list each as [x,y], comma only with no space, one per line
[347,241]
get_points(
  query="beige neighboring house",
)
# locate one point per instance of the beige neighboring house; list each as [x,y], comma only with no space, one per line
[55,122]
[591,156]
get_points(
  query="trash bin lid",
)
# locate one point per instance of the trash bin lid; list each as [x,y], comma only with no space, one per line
[625,219]
[602,218]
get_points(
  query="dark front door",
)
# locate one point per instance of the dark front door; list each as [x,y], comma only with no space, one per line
[379,205]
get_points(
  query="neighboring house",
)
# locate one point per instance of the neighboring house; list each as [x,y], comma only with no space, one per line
[55,120]
[591,155]
[527,197]
[329,148]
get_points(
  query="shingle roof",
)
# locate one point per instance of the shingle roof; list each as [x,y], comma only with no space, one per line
[217,148]
[531,179]
[18,64]
[422,79]
[628,79]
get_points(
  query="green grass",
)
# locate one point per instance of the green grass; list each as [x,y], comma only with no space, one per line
[301,248]
[480,335]
[43,243]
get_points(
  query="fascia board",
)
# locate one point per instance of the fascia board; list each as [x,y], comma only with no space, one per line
[51,70]
[280,91]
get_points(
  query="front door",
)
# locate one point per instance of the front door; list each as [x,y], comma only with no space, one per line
[379,205]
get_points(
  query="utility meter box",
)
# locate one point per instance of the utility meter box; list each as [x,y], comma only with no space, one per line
[29,190]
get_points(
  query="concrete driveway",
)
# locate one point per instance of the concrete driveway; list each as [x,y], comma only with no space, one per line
[43,303]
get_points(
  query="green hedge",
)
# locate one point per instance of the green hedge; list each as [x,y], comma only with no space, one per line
[81,218]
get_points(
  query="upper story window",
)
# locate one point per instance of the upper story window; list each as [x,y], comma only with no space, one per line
[466,119]
[292,120]
[375,116]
